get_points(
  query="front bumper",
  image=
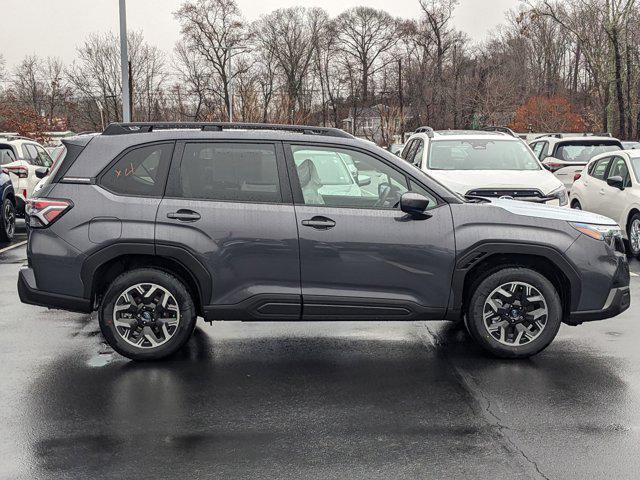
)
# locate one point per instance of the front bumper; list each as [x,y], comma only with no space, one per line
[29,294]
[618,301]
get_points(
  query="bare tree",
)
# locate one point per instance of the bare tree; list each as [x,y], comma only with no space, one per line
[290,36]
[365,35]
[215,30]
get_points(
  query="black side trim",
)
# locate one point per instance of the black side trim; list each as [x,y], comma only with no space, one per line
[32,296]
[482,250]
[178,254]
[352,308]
[198,271]
[102,256]
[257,307]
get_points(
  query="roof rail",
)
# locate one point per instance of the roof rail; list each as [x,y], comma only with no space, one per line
[428,130]
[146,127]
[11,136]
[583,134]
[500,129]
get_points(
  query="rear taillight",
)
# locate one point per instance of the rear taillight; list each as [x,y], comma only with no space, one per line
[20,172]
[577,176]
[43,212]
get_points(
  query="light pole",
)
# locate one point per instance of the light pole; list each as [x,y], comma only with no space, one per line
[124,63]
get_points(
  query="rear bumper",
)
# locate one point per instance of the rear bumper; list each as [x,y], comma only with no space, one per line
[618,301]
[30,294]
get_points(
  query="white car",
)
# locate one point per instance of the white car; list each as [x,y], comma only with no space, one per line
[610,185]
[566,154]
[485,164]
[28,161]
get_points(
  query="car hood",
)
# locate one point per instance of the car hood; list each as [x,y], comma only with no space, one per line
[462,181]
[538,210]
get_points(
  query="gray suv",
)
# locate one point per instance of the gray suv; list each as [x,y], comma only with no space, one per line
[153,225]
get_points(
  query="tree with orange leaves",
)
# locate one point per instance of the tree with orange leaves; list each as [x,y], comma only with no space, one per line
[547,114]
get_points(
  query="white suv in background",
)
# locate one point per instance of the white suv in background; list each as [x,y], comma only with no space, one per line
[28,161]
[486,164]
[610,185]
[566,154]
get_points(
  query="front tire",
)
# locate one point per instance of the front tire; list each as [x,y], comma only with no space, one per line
[633,234]
[8,221]
[576,205]
[147,314]
[514,313]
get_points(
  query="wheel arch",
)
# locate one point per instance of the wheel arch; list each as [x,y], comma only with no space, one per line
[103,266]
[487,258]
[632,211]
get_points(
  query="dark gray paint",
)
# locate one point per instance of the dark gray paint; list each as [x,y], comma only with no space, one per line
[248,249]
[252,251]
[379,254]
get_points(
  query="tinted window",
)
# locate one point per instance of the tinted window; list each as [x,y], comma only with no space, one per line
[407,151]
[346,178]
[230,171]
[599,168]
[584,151]
[142,171]
[6,155]
[417,156]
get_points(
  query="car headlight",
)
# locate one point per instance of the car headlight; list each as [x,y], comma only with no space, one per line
[599,232]
[561,195]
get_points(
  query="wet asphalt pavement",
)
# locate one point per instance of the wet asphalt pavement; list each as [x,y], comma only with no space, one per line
[314,400]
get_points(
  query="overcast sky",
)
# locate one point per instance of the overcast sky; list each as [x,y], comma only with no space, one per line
[55,27]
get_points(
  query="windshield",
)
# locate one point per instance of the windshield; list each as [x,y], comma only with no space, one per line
[481,154]
[582,153]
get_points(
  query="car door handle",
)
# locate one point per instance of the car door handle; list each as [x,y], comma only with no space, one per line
[320,223]
[184,215]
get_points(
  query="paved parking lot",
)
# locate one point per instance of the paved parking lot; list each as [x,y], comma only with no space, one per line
[313,400]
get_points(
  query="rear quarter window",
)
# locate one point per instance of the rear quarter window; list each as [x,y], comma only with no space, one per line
[139,172]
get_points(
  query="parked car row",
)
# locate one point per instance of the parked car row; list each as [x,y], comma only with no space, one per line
[609,185]
[153,225]
[484,164]
[24,163]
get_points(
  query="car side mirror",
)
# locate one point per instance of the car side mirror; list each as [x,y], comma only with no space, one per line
[616,181]
[42,172]
[364,180]
[413,203]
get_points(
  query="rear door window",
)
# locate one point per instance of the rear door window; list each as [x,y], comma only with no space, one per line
[139,172]
[230,172]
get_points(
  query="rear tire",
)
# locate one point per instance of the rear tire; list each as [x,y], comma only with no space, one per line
[147,314]
[514,313]
[633,234]
[8,221]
